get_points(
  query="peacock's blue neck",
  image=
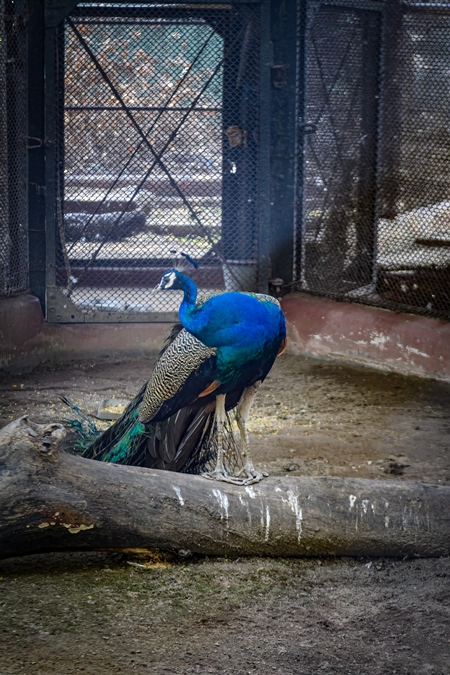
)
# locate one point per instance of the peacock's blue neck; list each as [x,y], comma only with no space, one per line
[189,300]
[235,321]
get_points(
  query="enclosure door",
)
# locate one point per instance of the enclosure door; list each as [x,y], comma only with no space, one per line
[373,190]
[337,170]
[156,129]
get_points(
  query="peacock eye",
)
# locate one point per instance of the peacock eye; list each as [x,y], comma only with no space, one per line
[167,280]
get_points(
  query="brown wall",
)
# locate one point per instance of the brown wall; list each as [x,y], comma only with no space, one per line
[26,339]
[404,343]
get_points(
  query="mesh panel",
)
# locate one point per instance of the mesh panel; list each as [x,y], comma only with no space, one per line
[338,207]
[414,229]
[375,194]
[157,149]
[13,164]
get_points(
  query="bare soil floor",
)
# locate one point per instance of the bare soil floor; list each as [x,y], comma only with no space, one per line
[114,613]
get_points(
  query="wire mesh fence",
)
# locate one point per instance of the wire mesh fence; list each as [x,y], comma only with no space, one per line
[13,144]
[153,147]
[414,225]
[157,132]
[374,193]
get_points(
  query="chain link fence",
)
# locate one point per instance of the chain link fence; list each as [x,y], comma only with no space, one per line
[157,117]
[13,144]
[374,148]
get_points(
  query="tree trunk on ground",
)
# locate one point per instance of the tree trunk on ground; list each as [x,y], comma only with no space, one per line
[54,501]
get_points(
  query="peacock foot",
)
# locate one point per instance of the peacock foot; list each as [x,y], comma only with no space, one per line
[251,476]
[223,476]
[254,476]
[248,477]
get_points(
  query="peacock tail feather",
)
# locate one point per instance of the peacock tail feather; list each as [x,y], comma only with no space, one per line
[123,441]
[125,449]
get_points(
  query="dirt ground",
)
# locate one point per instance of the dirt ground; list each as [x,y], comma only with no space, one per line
[310,417]
[114,613]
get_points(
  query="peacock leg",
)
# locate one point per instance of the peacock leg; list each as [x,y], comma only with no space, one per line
[249,473]
[219,472]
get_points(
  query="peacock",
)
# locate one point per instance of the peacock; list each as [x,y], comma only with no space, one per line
[213,362]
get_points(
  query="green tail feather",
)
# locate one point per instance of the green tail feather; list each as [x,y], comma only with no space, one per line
[127,446]
[123,441]
[83,431]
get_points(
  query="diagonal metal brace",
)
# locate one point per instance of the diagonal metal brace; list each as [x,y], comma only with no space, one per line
[157,157]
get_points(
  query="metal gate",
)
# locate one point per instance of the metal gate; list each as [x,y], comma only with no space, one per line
[154,152]
[339,134]
[373,209]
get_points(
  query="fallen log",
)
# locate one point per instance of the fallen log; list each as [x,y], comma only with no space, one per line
[54,501]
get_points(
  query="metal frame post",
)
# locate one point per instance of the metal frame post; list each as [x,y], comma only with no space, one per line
[283,137]
[266,61]
[36,150]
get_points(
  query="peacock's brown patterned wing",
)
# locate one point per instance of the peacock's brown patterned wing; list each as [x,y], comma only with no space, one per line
[179,360]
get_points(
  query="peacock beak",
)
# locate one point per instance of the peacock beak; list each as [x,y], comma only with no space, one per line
[157,288]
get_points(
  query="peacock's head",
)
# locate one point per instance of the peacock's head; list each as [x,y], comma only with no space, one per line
[174,279]
[171,280]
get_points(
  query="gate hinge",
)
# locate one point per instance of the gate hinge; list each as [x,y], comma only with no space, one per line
[280,75]
[34,142]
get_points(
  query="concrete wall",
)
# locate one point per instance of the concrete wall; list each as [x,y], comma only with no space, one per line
[317,327]
[26,339]
[404,343]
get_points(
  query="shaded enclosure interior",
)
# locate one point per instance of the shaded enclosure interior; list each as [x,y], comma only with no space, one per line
[297,146]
